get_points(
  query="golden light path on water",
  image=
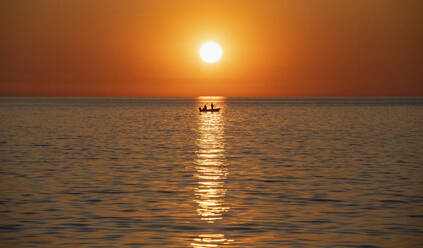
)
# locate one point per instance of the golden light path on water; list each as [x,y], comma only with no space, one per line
[211,172]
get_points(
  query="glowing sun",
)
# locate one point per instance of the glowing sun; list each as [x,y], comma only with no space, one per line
[210,52]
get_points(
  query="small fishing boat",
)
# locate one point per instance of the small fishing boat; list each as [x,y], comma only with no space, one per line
[209,110]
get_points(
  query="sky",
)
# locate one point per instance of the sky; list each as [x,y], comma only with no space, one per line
[271,48]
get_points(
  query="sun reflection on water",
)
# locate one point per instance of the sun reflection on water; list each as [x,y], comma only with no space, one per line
[210,240]
[211,172]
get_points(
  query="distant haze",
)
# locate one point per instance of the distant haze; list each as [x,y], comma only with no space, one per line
[270,48]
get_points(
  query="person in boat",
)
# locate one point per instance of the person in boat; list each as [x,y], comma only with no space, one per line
[212,106]
[205,107]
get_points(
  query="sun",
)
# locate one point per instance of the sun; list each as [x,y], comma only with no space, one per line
[211,52]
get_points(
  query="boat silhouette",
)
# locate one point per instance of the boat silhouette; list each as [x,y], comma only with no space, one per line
[209,110]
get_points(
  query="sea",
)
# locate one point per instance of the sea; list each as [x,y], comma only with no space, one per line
[261,172]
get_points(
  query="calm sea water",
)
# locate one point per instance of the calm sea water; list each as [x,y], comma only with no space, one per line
[81,172]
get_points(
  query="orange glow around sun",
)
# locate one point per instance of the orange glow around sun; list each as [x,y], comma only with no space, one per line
[189,48]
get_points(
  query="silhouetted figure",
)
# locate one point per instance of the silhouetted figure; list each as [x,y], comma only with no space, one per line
[205,107]
[212,105]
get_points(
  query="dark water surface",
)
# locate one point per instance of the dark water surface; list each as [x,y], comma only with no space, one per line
[81,172]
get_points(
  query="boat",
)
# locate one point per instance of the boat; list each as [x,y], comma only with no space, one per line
[209,110]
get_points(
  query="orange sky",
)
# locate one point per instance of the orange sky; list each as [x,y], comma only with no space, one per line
[271,48]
